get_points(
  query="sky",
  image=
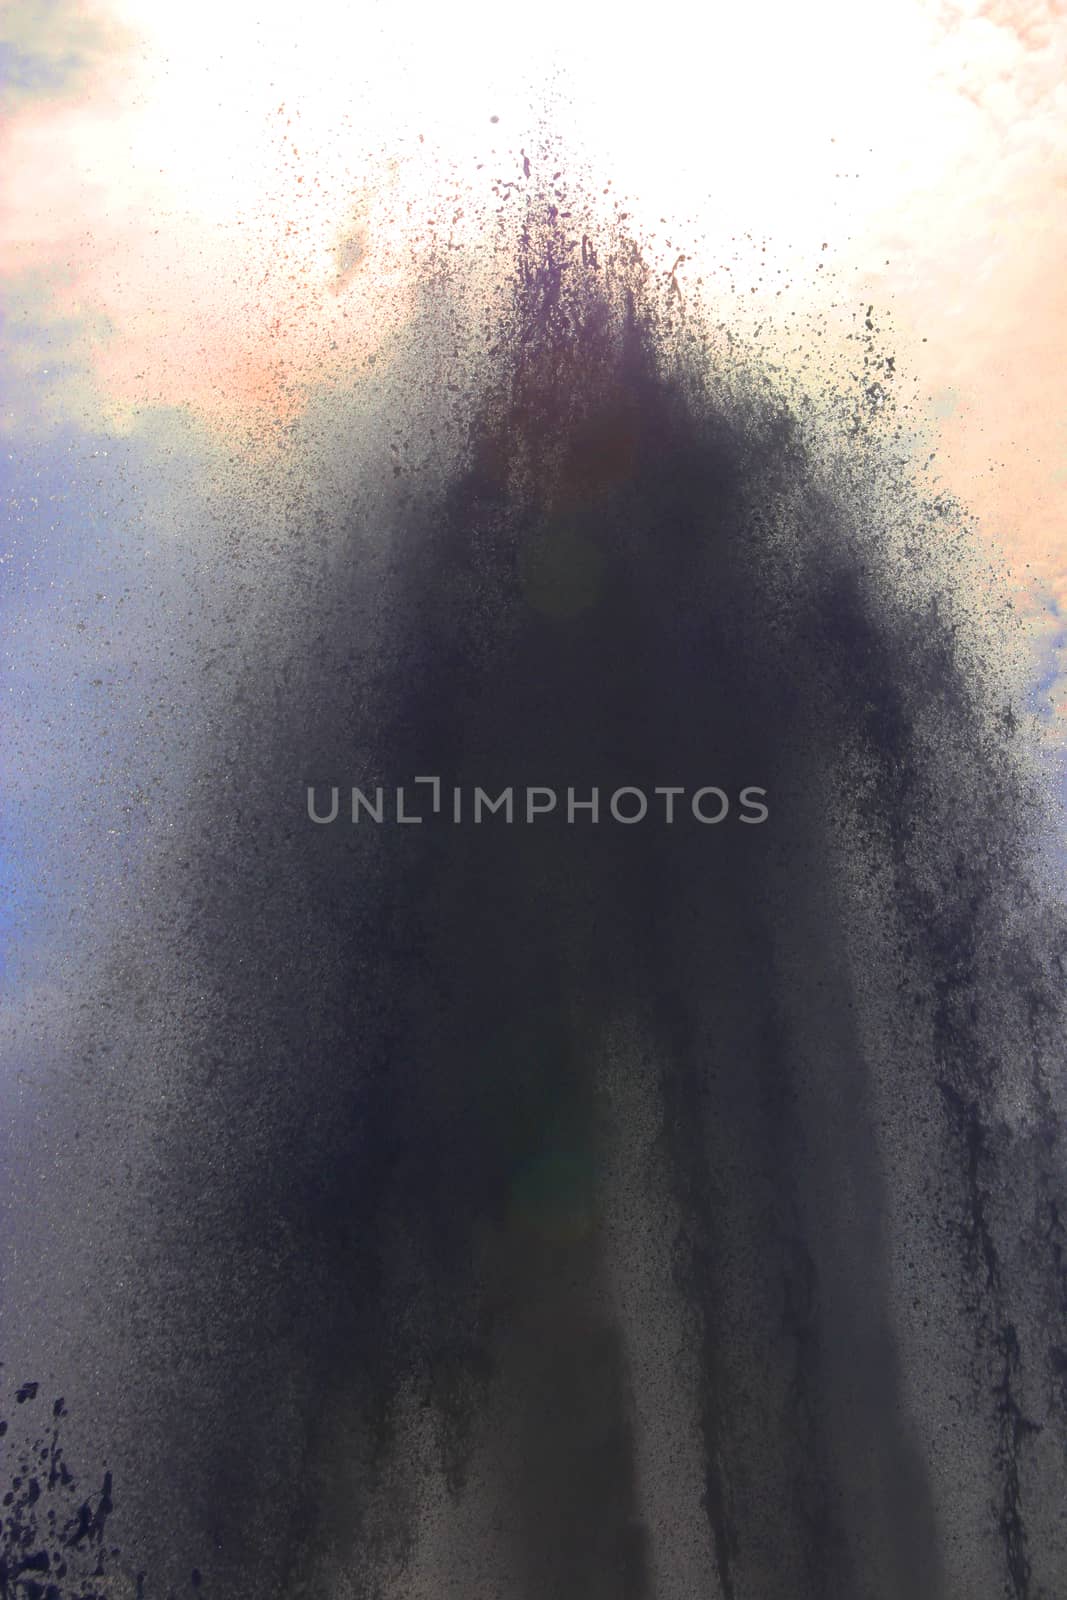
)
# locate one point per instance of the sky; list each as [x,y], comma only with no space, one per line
[210,213]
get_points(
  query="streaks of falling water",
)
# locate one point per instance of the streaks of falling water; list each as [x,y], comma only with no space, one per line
[594,1209]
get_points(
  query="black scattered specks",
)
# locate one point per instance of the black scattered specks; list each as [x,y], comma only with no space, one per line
[596,1210]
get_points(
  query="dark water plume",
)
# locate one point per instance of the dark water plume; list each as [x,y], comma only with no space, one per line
[596,1209]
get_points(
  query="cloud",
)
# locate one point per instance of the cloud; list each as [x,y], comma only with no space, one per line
[52,49]
[48,356]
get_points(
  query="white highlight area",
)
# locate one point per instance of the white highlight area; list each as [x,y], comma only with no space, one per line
[236,179]
[227,205]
